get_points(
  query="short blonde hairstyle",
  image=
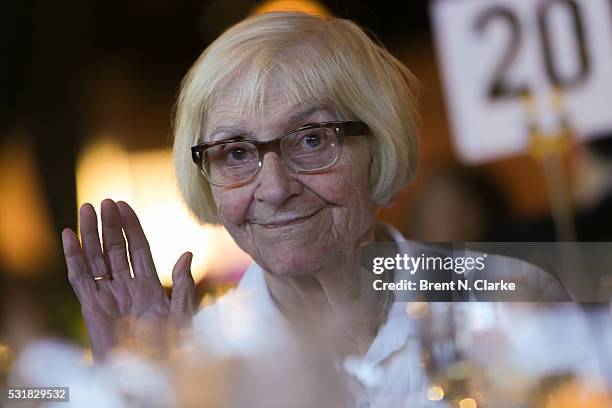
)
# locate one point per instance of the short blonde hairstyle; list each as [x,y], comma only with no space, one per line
[311,58]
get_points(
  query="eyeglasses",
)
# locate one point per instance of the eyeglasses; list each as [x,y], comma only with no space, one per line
[309,149]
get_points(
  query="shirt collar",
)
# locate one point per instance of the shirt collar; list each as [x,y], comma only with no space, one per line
[391,337]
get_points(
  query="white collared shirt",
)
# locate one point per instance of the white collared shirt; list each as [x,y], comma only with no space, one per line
[246,321]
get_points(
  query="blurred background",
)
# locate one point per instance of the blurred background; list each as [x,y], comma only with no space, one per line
[88,89]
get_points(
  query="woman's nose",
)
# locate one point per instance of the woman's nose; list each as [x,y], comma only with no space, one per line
[275,182]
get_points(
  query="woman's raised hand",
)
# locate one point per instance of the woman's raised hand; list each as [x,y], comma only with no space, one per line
[120,309]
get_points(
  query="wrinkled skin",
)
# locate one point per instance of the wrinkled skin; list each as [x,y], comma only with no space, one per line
[304,230]
[339,198]
[124,311]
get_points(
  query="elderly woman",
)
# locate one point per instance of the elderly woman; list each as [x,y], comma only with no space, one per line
[291,131]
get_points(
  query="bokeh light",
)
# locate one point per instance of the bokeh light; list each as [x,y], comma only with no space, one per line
[25,223]
[435,393]
[416,310]
[145,180]
[305,6]
[468,403]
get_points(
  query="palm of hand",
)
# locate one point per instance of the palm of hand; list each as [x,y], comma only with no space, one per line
[118,308]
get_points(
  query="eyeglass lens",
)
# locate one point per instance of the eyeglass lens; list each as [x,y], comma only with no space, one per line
[304,150]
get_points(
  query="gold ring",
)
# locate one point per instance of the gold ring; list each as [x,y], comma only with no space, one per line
[107,276]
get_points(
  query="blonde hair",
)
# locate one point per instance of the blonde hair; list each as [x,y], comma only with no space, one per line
[310,58]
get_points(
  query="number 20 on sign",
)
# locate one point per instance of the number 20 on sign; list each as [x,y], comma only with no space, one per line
[490,52]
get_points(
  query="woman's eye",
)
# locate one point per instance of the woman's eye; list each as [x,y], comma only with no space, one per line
[237,154]
[313,140]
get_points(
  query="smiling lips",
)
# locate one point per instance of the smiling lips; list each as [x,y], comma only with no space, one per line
[287,221]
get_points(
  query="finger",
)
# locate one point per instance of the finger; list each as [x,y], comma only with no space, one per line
[183,290]
[91,243]
[113,241]
[138,246]
[79,275]
[86,291]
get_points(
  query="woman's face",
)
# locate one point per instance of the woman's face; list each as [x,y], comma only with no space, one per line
[293,223]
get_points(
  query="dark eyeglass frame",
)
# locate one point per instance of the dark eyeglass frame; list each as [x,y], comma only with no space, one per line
[341,129]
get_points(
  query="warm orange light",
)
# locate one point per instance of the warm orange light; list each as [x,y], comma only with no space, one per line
[416,310]
[580,394]
[27,243]
[103,171]
[304,6]
[146,181]
[5,359]
[468,403]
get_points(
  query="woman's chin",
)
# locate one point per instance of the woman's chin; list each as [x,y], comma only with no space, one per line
[292,262]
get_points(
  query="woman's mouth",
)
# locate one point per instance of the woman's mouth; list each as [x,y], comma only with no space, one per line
[287,221]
